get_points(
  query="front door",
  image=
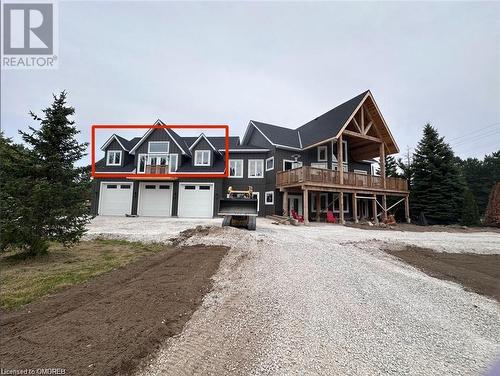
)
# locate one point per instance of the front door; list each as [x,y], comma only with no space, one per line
[295,202]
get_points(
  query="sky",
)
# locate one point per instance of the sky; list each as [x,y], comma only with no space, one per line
[276,62]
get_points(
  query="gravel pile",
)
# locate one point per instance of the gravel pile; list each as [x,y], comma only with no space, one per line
[306,300]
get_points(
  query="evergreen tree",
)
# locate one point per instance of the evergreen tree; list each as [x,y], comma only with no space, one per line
[391,167]
[480,176]
[53,206]
[437,183]
[406,167]
[470,213]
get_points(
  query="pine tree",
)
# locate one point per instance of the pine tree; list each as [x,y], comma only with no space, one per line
[53,206]
[470,213]
[406,167]
[391,167]
[437,183]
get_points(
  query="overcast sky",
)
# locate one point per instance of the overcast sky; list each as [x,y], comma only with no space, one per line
[281,63]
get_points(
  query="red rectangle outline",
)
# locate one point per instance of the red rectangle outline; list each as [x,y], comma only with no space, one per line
[168,126]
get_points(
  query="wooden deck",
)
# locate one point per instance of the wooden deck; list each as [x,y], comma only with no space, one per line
[329,180]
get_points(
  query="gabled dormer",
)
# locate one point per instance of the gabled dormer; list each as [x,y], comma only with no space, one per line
[203,152]
[116,152]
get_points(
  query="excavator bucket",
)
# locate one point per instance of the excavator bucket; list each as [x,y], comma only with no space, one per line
[238,206]
[239,212]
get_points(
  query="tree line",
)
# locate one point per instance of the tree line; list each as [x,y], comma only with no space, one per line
[445,189]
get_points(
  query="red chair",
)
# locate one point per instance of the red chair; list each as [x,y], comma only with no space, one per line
[295,216]
[330,217]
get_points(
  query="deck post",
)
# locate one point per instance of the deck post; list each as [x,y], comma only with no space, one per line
[340,159]
[384,205]
[382,163]
[285,204]
[317,204]
[407,209]
[306,206]
[355,207]
[374,207]
[341,208]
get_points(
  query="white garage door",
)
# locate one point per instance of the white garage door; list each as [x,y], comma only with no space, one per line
[155,199]
[196,200]
[115,199]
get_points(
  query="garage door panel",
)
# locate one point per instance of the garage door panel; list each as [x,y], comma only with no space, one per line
[116,199]
[196,200]
[155,199]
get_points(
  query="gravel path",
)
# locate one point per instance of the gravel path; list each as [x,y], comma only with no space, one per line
[307,300]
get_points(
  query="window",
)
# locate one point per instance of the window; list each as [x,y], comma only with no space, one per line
[269,198]
[335,167]
[190,187]
[361,172]
[255,168]
[256,195]
[344,153]
[114,158]
[270,164]
[204,187]
[172,165]
[125,186]
[236,168]
[322,153]
[158,146]
[141,163]
[319,165]
[150,187]
[164,187]
[336,203]
[111,186]
[289,164]
[323,202]
[202,158]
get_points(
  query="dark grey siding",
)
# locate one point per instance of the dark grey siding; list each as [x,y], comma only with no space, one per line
[257,139]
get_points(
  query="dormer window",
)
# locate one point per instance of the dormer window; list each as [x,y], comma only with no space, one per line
[202,158]
[114,158]
[158,147]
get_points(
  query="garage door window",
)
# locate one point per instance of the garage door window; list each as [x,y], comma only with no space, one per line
[150,187]
[164,186]
[190,187]
[205,187]
[125,186]
[111,186]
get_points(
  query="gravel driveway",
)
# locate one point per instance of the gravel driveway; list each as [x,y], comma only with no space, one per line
[310,300]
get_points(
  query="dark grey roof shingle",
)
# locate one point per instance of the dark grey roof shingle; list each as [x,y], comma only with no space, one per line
[279,135]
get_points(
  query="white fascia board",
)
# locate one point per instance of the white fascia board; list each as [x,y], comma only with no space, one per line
[113,136]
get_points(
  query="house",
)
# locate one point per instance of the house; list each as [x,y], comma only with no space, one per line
[325,164]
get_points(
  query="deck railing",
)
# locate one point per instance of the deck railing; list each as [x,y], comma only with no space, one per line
[158,169]
[312,175]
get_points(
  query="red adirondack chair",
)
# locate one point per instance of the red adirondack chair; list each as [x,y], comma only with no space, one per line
[296,216]
[330,217]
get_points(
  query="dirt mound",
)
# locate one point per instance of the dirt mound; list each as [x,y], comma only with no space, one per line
[106,326]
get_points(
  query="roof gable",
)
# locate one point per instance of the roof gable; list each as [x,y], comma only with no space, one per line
[277,136]
[174,136]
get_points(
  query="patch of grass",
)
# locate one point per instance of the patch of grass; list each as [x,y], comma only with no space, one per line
[23,280]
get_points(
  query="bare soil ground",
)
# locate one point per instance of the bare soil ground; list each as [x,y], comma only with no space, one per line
[434,228]
[107,325]
[478,273]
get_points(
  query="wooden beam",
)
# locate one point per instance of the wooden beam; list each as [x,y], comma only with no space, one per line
[355,207]
[340,159]
[374,208]
[317,204]
[367,128]
[384,206]
[359,135]
[357,125]
[285,203]
[341,208]
[407,209]
[382,163]
[306,206]
[362,119]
